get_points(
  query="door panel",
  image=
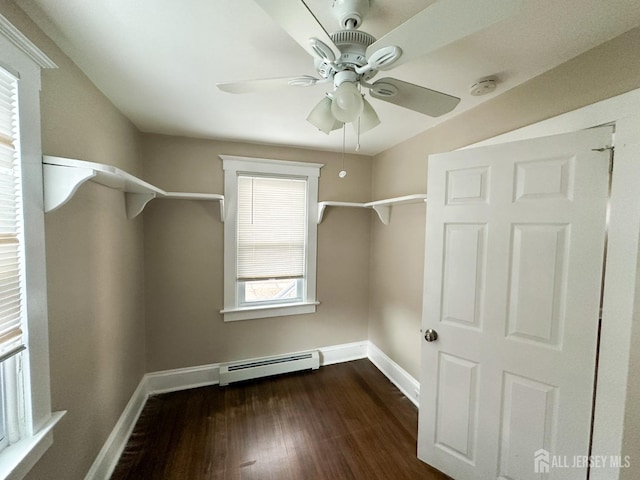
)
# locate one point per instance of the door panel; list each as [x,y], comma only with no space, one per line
[457,404]
[464,259]
[544,178]
[528,413]
[513,269]
[467,186]
[536,293]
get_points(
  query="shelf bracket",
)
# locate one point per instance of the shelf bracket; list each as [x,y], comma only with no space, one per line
[384,213]
[321,207]
[221,203]
[135,203]
[61,183]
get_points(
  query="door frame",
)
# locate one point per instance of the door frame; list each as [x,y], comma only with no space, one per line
[616,385]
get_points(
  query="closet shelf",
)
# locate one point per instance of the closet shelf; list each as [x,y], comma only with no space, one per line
[63,177]
[381,207]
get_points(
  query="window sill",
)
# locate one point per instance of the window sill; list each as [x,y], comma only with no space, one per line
[250,313]
[16,460]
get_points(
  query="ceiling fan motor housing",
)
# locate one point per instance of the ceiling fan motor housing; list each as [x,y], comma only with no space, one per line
[353,46]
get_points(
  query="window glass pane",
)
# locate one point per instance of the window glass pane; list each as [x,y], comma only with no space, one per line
[272,291]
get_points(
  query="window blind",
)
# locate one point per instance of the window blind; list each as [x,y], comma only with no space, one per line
[11,249]
[272,218]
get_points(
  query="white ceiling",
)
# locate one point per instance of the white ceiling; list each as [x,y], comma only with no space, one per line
[159,61]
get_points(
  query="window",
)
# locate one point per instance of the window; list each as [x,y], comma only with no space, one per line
[271,232]
[26,419]
[270,237]
[12,292]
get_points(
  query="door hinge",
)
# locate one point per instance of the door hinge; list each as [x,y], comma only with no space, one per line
[611,162]
[609,148]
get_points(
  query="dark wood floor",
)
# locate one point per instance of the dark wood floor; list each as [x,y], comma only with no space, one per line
[344,421]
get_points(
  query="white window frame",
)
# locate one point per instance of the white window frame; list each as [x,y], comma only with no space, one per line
[23,59]
[4,436]
[233,309]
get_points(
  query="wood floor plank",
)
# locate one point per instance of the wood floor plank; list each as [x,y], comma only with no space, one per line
[344,421]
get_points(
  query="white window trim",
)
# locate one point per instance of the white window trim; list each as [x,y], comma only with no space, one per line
[24,59]
[232,166]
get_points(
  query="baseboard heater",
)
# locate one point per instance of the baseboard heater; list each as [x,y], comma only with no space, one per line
[267,366]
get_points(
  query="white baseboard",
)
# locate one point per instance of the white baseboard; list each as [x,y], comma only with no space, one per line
[182,378]
[343,353]
[192,377]
[108,457]
[395,373]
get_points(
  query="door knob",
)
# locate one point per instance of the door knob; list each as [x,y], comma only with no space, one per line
[431,335]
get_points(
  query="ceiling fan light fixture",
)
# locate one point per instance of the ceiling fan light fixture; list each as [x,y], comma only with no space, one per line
[321,116]
[347,102]
[337,125]
[368,118]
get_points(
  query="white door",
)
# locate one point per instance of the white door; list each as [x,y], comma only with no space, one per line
[513,271]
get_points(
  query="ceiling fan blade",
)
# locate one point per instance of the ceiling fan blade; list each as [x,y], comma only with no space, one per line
[268,84]
[442,23]
[407,95]
[299,22]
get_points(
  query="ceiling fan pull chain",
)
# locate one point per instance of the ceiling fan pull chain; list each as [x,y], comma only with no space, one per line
[358,136]
[343,172]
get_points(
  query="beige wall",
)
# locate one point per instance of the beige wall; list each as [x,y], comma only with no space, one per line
[396,284]
[94,268]
[184,259]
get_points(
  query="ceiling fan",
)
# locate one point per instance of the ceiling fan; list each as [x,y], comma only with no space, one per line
[350,58]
